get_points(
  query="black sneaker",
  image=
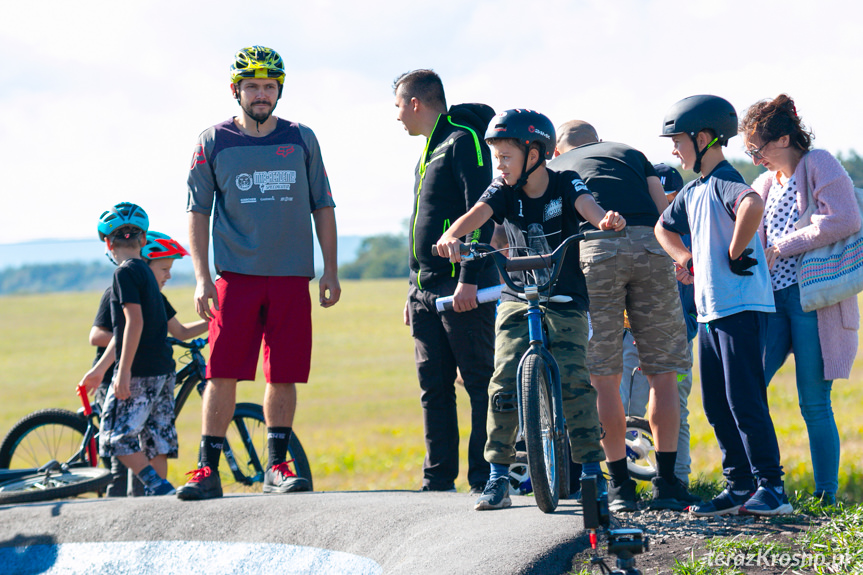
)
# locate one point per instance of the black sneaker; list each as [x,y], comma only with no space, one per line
[622,498]
[672,495]
[282,479]
[495,495]
[728,502]
[204,483]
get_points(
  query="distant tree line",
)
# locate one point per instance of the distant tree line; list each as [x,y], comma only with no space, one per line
[384,256]
[48,278]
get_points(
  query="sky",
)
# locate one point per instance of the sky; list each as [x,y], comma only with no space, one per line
[103,100]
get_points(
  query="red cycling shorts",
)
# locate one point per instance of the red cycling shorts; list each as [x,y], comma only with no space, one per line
[275,309]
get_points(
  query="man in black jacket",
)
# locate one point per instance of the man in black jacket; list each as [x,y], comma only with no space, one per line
[452,173]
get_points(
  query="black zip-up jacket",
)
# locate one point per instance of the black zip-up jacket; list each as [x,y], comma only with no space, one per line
[451,175]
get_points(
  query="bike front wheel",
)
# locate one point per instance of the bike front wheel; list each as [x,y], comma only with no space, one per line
[54,485]
[640,449]
[246,453]
[42,436]
[545,450]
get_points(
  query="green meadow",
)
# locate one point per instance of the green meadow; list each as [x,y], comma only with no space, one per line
[359,417]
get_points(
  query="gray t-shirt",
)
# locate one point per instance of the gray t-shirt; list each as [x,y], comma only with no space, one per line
[708,208]
[261,192]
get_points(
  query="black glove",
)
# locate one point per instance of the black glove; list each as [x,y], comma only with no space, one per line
[741,265]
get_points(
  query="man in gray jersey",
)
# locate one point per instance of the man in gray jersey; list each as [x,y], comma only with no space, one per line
[261,177]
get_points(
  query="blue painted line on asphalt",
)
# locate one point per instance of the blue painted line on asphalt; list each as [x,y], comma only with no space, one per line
[182,557]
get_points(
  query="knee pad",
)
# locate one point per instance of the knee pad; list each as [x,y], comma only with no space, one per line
[504,402]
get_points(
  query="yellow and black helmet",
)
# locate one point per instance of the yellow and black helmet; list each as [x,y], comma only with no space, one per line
[257,62]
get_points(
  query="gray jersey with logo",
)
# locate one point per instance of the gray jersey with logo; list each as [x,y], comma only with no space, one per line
[261,192]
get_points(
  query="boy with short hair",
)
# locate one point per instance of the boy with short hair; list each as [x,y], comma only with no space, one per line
[540,209]
[732,296]
[159,252]
[138,413]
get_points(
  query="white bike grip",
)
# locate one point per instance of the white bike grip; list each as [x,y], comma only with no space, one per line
[484,295]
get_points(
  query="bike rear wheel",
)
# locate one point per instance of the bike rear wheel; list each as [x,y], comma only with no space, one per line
[42,436]
[246,452]
[54,485]
[545,451]
[640,449]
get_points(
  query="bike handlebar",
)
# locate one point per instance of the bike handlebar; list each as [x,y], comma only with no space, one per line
[197,343]
[525,263]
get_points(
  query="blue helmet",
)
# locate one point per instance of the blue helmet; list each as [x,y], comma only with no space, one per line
[162,247]
[122,214]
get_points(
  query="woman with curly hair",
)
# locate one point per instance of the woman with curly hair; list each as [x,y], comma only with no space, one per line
[824,341]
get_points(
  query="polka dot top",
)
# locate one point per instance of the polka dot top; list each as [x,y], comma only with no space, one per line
[780,215]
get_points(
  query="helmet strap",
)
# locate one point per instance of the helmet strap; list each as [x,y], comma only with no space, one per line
[699,154]
[525,173]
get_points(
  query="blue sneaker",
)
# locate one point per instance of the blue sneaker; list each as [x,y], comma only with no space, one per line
[164,487]
[495,495]
[768,500]
[728,502]
[601,485]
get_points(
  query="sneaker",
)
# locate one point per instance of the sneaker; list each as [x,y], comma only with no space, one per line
[622,498]
[477,489]
[204,483]
[728,502]
[826,498]
[281,479]
[768,500]
[495,495]
[163,488]
[672,495]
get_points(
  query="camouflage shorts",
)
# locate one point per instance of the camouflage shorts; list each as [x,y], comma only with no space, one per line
[567,330]
[634,273]
[144,422]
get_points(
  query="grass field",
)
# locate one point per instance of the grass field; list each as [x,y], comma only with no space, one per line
[359,418]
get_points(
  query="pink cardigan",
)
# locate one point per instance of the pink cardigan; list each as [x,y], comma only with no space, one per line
[836,217]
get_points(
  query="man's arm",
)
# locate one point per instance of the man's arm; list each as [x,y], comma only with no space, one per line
[748,219]
[131,339]
[199,245]
[657,193]
[325,227]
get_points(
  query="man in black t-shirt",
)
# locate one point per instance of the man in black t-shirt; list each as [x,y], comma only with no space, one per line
[635,274]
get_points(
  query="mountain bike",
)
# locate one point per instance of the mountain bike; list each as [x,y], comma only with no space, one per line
[540,403]
[59,434]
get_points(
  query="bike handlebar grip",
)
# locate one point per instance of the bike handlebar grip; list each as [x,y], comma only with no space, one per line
[525,263]
[603,234]
[85,401]
[463,248]
[484,295]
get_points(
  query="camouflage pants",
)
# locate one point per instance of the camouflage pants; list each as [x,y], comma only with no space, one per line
[144,422]
[567,331]
[634,273]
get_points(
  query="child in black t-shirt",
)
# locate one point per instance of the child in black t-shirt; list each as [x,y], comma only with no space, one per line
[138,414]
[160,251]
[540,209]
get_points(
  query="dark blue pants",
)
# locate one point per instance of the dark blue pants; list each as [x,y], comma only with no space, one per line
[442,342]
[734,393]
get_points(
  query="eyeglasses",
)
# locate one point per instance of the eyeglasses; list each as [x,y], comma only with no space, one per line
[756,154]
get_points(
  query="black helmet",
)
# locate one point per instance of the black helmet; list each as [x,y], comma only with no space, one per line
[527,127]
[695,113]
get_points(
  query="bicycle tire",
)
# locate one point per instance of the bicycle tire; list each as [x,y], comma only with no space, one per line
[544,451]
[247,441]
[42,436]
[42,487]
[640,449]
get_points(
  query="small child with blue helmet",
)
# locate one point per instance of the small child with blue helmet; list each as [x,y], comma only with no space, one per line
[137,425]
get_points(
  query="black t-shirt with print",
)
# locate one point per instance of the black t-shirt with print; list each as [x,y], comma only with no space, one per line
[541,224]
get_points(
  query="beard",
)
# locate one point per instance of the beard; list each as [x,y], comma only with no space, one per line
[261,116]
